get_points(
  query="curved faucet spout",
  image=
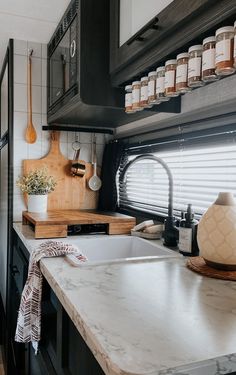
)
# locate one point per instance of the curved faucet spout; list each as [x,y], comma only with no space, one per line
[170,231]
[165,166]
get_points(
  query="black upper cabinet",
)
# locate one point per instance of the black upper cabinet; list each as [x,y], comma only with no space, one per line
[172,30]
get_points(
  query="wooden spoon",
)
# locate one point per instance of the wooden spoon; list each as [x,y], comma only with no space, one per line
[30,134]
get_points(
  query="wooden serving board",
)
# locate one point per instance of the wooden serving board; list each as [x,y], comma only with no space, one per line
[55,223]
[71,192]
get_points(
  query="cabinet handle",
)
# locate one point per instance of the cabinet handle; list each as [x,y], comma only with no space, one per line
[139,35]
[14,270]
[72,48]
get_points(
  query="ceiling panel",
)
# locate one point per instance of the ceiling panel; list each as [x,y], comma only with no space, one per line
[33,20]
[48,10]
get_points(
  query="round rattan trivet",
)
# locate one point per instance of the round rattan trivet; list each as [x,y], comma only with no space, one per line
[197,264]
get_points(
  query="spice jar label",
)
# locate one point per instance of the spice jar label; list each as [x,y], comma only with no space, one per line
[194,67]
[128,100]
[151,88]
[170,78]
[160,85]
[235,46]
[135,96]
[223,49]
[181,73]
[208,59]
[144,93]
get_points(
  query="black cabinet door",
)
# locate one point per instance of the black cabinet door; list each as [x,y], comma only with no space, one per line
[174,29]
[17,277]
[39,364]
[22,359]
[75,356]
[62,350]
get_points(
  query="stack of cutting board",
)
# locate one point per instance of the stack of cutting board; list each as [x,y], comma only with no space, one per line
[55,223]
[71,196]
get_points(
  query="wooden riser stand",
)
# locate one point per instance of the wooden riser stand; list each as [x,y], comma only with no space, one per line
[54,224]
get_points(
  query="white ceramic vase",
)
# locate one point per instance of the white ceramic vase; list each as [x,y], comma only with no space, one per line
[217,233]
[37,203]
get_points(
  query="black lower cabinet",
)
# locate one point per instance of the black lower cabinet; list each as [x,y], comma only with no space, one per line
[84,362]
[62,350]
[39,364]
[68,353]
[17,356]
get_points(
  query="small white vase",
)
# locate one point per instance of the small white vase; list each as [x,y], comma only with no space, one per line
[217,233]
[37,203]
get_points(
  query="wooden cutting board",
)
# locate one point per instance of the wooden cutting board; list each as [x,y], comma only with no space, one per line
[71,192]
[55,223]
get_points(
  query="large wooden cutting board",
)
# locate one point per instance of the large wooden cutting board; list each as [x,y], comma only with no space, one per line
[71,192]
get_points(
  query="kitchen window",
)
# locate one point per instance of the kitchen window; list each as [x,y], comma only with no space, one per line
[201,165]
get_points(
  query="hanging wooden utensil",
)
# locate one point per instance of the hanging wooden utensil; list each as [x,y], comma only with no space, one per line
[30,134]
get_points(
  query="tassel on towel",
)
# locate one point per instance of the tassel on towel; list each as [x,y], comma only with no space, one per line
[29,316]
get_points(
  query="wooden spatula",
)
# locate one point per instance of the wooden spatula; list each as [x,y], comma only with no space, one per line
[30,134]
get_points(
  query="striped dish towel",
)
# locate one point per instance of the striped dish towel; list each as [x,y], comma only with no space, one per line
[29,316]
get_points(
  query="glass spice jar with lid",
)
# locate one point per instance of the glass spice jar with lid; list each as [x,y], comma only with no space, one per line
[224,51]
[128,99]
[160,84]
[144,92]
[182,73]
[136,89]
[152,87]
[170,76]
[208,59]
[195,66]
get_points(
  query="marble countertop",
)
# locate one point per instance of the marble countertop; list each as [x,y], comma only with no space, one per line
[152,318]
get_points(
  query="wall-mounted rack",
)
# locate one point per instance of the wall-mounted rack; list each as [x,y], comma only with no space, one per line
[77,129]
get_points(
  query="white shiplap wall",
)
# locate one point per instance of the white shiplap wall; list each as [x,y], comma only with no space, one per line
[40,148]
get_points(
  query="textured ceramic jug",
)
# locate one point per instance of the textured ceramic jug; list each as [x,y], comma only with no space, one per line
[217,233]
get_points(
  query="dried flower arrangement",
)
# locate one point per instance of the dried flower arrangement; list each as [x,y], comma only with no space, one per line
[37,182]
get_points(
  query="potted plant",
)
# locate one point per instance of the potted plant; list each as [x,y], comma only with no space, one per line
[37,184]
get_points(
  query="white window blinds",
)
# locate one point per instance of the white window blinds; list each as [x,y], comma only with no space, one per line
[200,171]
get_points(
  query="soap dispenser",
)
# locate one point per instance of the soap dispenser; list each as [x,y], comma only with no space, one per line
[188,233]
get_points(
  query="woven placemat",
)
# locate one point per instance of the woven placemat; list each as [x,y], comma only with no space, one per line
[197,264]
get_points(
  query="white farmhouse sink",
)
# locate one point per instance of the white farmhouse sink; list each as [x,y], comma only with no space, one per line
[112,249]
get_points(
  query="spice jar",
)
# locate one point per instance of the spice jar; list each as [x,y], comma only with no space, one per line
[160,84]
[182,73]
[136,88]
[170,74]
[224,51]
[195,66]
[208,59]
[235,44]
[144,92]
[152,87]
[128,99]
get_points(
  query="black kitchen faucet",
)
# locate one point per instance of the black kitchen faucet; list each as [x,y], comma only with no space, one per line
[170,233]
